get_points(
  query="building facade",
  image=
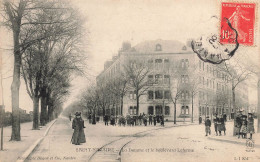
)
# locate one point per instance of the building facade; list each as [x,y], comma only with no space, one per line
[176,77]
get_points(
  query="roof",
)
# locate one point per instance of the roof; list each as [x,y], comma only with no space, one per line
[167,46]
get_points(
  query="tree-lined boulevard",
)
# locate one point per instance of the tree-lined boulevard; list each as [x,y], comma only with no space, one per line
[50,42]
[183,140]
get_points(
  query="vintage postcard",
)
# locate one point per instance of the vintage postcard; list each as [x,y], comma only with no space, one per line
[129,80]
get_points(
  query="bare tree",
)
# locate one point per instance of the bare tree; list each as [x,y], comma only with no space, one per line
[90,99]
[137,73]
[15,18]
[103,96]
[194,86]
[176,85]
[62,30]
[237,74]
[119,87]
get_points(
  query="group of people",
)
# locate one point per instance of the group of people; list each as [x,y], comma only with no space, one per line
[219,124]
[134,120]
[243,126]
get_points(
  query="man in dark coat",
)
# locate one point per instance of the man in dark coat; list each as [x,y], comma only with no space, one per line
[145,120]
[140,118]
[207,126]
[154,120]
[78,126]
[106,119]
[150,119]
[162,120]
[215,120]
[135,119]
[200,120]
[238,123]
[222,121]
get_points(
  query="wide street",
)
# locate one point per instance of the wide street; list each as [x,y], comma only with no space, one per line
[183,142]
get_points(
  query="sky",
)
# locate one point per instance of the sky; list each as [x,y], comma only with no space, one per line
[110,22]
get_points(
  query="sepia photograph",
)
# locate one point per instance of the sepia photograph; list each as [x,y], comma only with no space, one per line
[129,80]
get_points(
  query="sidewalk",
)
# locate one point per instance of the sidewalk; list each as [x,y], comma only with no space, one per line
[15,149]
[229,138]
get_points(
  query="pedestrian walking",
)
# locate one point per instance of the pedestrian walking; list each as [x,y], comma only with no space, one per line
[219,125]
[200,120]
[162,120]
[135,119]
[70,116]
[150,119]
[154,120]
[225,117]
[123,120]
[106,119]
[132,120]
[207,126]
[250,125]
[89,118]
[215,120]
[140,118]
[238,123]
[158,118]
[94,119]
[145,120]
[112,120]
[243,130]
[222,121]
[128,120]
[78,136]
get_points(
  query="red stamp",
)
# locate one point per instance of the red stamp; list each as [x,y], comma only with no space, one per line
[241,16]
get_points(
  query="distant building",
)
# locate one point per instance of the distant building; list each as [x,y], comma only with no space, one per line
[22,111]
[213,90]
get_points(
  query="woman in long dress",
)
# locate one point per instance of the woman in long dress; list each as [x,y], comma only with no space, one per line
[78,126]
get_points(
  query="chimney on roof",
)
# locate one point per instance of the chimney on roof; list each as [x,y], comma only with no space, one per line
[126,46]
[107,64]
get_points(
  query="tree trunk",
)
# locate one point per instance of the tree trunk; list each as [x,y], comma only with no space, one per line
[43,117]
[36,112]
[15,90]
[137,104]
[121,106]
[50,112]
[192,108]
[234,108]
[174,120]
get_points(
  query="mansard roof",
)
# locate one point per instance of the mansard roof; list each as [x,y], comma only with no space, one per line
[162,46]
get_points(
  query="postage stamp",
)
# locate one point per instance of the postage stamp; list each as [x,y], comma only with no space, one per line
[242,18]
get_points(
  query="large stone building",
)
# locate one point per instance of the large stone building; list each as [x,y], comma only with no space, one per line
[175,72]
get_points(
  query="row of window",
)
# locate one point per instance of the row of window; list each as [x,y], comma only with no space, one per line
[206,110]
[158,79]
[157,111]
[165,79]
[211,84]
[159,94]
[213,71]
[158,63]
